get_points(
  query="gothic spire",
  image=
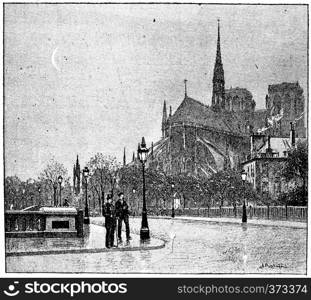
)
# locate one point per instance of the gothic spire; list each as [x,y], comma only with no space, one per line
[185,81]
[218,98]
[138,147]
[218,52]
[164,119]
[124,157]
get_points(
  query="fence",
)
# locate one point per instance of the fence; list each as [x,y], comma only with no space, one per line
[297,213]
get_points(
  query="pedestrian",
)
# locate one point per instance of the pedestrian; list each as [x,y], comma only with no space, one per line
[110,221]
[122,213]
[234,209]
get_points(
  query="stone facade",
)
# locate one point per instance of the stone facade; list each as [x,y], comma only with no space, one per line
[289,98]
[239,100]
[266,160]
[264,175]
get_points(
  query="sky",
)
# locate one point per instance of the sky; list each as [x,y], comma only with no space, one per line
[82,79]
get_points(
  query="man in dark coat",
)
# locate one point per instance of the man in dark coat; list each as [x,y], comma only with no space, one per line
[110,221]
[66,203]
[122,213]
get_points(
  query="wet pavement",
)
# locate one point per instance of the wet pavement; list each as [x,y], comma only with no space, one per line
[250,221]
[93,241]
[192,246]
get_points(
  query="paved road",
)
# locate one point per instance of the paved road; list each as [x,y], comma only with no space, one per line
[93,241]
[192,246]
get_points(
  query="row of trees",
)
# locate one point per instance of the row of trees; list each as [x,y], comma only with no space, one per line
[223,188]
[108,176]
[44,190]
[295,173]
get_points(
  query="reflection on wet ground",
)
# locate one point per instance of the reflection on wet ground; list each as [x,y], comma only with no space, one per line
[93,240]
[192,247]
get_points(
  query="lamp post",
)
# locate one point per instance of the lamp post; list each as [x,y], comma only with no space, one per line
[55,193]
[23,200]
[60,180]
[134,200]
[244,215]
[173,206]
[142,153]
[86,208]
[39,191]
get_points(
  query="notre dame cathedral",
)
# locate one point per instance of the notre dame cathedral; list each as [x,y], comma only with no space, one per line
[201,139]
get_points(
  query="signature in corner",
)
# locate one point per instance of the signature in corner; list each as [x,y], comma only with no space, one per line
[273,266]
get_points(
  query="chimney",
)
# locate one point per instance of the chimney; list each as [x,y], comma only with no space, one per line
[185,81]
[269,150]
[252,145]
[292,134]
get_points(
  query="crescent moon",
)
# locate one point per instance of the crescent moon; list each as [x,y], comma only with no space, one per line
[53,59]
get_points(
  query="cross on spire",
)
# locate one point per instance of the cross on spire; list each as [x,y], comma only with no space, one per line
[185,81]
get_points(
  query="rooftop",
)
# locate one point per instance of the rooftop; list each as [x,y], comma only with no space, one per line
[193,111]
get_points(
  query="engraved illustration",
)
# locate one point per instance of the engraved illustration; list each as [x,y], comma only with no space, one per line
[155,138]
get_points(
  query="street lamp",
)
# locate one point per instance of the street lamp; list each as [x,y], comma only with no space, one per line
[142,153]
[24,201]
[39,190]
[55,193]
[60,180]
[243,174]
[244,215]
[173,207]
[134,200]
[86,209]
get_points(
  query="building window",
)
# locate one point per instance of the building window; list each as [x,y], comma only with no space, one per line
[265,186]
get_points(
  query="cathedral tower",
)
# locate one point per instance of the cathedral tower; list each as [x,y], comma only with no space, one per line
[218,98]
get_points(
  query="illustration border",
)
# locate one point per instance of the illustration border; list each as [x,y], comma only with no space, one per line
[150,3]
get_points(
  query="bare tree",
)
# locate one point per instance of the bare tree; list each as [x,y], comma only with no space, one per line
[104,176]
[49,180]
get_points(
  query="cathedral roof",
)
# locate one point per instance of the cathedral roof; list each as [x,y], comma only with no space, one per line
[195,112]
